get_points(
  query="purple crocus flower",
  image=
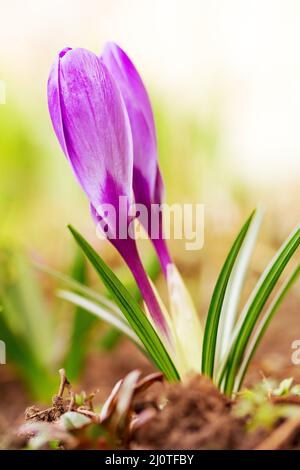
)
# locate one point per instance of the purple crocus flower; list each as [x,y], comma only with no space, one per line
[91,123]
[147,181]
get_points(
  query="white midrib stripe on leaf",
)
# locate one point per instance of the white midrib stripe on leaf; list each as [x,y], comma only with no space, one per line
[234,289]
[101,313]
[185,320]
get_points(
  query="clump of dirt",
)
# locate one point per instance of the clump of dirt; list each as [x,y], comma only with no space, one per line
[59,404]
[148,413]
[58,408]
[196,416]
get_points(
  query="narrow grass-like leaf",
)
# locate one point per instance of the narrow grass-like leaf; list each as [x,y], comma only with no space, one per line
[234,288]
[263,325]
[186,322]
[131,310]
[35,375]
[83,322]
[26,310]
[81,288]
[152,268]
[99,312]
[215,308]
[255,304]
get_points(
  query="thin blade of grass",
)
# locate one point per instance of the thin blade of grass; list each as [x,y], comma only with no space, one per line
[81,289]
[263,325]
[82,324]
[38,380]
[215,308]
[255,304]
[131,310]
[99,312]
[26,308]
[234,288]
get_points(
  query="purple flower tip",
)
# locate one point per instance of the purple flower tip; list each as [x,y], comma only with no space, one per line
[64,51]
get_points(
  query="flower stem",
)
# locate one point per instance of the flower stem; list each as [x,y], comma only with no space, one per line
[162,253]
[128,250]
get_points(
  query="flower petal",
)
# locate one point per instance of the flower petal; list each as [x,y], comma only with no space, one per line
[141,120]
[92,126]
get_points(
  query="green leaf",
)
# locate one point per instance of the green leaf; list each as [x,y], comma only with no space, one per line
[82,289]
[255,304]
[35,375]
[215,308]
[234,289]
[25,308]
[295,390]
[82,325]
[263,325]
[152,267]
[283,388]
[26,325]
[72,420]
[99,312]
[131,310]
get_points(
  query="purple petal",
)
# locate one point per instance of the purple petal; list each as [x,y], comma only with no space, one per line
[141,120]
[148,184]
[159,193]
[54,100]
[92,126]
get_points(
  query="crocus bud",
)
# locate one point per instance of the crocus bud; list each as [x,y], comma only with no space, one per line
[92,126]
[147,181]
[91,123]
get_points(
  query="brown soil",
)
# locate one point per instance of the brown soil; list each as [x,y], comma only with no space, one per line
[13,399]
[191,415]
[103,370]
[196,416]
